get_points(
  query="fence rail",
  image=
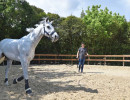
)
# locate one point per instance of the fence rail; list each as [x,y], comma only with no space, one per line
[89,58]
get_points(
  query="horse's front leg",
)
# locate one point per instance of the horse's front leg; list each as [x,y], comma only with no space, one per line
[25,64]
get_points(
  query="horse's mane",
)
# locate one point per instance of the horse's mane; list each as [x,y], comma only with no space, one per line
[32,29]
[29,29]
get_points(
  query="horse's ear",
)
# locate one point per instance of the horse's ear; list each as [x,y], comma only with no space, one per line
[51,22]
[48,20]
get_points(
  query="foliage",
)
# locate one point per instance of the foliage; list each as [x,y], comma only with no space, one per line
[71,30]
[17,17]
[102,31]
[106,32]
[82,14]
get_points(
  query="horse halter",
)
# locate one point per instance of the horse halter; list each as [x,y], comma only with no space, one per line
[50,35]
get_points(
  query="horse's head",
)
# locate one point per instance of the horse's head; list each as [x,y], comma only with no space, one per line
[49,31]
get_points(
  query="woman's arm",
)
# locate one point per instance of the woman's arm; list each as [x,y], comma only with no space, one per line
[78,54]
[87,53]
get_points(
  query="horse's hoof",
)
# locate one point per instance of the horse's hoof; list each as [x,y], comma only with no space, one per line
[29,91]
[14,81]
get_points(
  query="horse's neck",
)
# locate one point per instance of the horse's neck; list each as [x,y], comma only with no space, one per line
[35,37]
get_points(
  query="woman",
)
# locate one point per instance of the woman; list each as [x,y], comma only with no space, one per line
[82,51]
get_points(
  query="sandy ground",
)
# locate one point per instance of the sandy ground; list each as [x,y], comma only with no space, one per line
[63,82]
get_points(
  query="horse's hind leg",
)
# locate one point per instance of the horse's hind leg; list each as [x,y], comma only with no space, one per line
[16,80]
[0,53]
[9,63]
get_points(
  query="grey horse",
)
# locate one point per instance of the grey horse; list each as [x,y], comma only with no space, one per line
[23,49]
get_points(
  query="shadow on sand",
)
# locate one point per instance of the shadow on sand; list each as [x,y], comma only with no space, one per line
[95,72]
[41,82]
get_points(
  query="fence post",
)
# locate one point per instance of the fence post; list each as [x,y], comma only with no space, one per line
[123,61]
[39,59]
[88,59]
[105,60]
[72,59]
[55,59]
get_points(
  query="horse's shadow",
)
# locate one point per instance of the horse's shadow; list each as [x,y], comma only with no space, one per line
[42,84]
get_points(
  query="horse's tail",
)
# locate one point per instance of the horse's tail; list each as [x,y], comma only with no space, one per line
[2,59]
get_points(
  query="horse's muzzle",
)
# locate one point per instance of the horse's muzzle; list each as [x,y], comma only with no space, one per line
[55,37]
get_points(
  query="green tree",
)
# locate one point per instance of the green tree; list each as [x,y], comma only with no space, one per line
[18,16]
[102,31]
[82,14]
[71,30]
[126,46]
[106,31]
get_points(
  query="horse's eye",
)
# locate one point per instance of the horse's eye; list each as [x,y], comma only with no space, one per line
[48,27]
